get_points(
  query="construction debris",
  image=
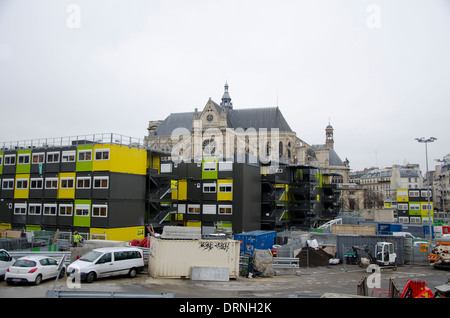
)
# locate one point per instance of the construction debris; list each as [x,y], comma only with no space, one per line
[310,257]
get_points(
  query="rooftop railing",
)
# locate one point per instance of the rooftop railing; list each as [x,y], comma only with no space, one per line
[59,142]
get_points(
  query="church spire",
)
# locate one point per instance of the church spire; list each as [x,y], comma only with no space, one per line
[226,99]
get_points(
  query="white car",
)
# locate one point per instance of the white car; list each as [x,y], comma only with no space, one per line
[6,261]
[34,269]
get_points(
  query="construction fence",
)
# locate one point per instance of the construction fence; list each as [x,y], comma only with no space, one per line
[340,245]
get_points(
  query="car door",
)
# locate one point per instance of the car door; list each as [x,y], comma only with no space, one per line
[52,267]
[104,266]
[45,268]
[5,261]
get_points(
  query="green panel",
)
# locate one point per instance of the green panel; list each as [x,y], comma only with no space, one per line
[84,221]
[84,165]
[319,177]
[209,174]
[1,163]
[23,168]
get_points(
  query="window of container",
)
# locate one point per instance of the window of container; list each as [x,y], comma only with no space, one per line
[49,209]
[65,210]
[20,209]
[36,183]
[85,155]
[83,183]
[23,159]
[51,183]
[100,210]
[226,209]
[53,157]
[82,210]
[10,160]
[38,158]
[101,182]
[22,184]
[34,209]
[68,156]
[102,154]
[67,183]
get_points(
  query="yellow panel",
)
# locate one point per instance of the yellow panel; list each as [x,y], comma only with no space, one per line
[21,193]
[120,159]
[424,212]
[120,234]
[66,193]
[174,188]
[193,223]
[182,190]
[402,195]
[156,163]
[221,195]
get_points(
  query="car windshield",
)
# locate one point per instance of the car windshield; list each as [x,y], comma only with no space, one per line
[24,263]
[91,256]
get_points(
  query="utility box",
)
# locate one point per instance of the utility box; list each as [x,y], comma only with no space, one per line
[175,258]
[255,240]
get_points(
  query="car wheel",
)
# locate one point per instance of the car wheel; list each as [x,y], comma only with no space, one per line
[132,273]
[38,280]
[62,273]
[90,277]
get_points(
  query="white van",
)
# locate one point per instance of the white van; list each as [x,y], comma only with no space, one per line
[108,261]
[6,261]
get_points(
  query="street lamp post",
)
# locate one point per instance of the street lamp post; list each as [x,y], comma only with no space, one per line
[426,141]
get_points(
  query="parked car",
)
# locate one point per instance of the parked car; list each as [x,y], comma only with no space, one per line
[6,261]
[107,261]
[34,269]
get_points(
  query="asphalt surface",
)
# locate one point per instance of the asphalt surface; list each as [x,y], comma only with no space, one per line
[306,282]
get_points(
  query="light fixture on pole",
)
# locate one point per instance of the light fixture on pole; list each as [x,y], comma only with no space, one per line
[426,141]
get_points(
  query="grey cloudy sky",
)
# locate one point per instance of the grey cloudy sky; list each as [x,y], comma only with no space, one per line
[379,69]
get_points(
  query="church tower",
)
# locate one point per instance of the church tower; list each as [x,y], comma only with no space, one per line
[329,141]
[226,99]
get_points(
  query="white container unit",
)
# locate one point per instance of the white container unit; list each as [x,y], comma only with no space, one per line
[174,258]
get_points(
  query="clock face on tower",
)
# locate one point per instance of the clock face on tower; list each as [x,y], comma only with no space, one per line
[209,117]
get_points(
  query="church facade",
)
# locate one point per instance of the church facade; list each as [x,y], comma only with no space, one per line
[222,131]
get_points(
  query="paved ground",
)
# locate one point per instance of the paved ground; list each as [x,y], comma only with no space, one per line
[312,282]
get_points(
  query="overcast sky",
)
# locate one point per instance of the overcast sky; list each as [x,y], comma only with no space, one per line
[378,70]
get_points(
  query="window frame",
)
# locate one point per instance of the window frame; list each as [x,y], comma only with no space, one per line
[83,180]
[100,178]
[54,155]
[99,214]
[52,180]
[34,205]
[82,207]
[101,152]
[84,152]
[52,206]
[65,206]
[71,154]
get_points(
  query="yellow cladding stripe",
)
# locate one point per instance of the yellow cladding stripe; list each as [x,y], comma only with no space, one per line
[21,186]
[182,190]
[193,223]
[117,158]
[119,234]
[424,208]
[225,189]
[174,189]
[66,185]
[402,195]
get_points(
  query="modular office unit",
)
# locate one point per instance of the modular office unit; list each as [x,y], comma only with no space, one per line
[213,195]
[95,187]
